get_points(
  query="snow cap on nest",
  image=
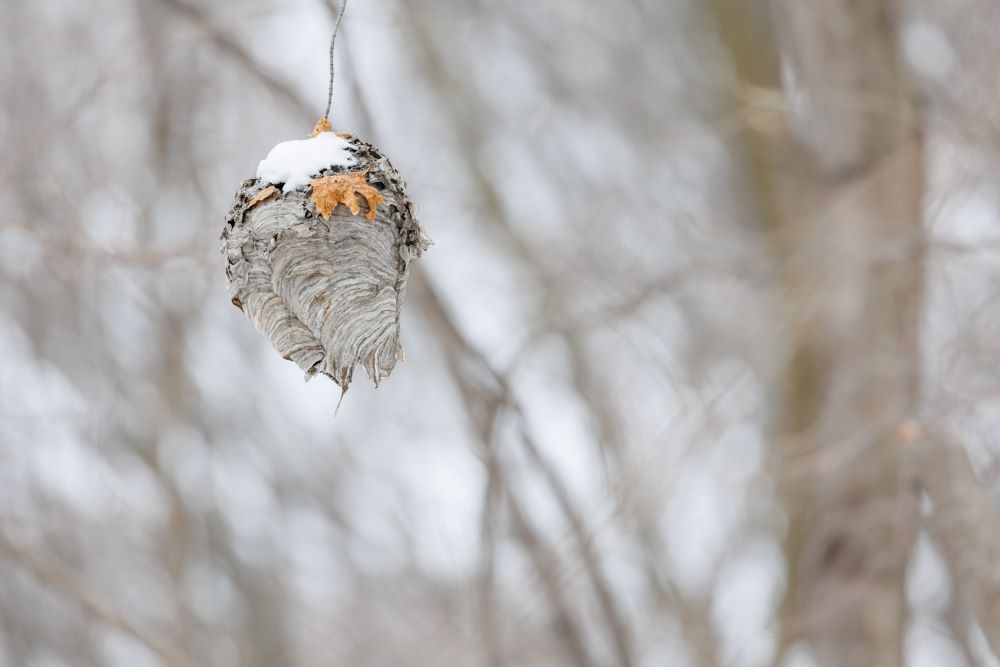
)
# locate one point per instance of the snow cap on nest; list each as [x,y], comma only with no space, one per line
[294,163]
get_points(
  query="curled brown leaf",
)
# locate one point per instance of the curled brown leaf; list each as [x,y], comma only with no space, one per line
[263,195]
[330,191]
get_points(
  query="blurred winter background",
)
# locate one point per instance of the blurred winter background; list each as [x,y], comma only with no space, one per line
[697,264]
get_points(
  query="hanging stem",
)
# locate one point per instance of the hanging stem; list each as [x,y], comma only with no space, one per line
[333,41]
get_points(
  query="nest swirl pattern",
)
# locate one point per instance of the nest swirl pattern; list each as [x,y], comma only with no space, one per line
[327,293]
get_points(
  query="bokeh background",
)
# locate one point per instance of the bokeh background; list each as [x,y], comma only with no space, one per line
[706,274]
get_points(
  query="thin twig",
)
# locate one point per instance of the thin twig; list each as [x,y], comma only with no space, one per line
[333,42]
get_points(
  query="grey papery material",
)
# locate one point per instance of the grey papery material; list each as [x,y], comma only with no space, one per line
[326,293]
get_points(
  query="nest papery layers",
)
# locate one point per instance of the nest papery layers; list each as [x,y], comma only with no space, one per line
[327,294]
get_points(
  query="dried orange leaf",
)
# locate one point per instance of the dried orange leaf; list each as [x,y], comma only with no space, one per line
[329,191]
[322,125]
[263,195]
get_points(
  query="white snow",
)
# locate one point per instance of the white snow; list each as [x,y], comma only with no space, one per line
[927,48]
[295,162]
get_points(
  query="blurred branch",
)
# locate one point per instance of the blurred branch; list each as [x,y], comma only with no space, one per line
[960,622]
[76,244]
[487,392]
[468,117]
[546,566]
[966,527]
[840,45]
[489,623]
[61,578]
[837,186]
[242,56]
[584,543]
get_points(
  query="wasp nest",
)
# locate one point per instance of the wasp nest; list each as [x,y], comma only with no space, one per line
[318,260]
